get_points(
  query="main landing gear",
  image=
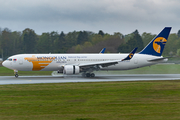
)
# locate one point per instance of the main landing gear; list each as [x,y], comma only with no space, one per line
[88,75]
[16,73]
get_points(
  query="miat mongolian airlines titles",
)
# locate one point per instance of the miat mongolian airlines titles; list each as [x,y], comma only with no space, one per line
[69,64]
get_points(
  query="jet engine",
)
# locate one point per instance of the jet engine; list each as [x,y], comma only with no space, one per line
[71,69]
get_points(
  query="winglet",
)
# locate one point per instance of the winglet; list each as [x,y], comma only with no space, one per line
[102,51]
[131,54]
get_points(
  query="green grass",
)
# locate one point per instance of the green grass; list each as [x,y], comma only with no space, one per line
[154,69]
[152,100]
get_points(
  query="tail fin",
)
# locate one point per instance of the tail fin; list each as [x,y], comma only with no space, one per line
[156,46]
[102,51]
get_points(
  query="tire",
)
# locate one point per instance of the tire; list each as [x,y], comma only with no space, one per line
[16,75]
[92,75]
[88,74]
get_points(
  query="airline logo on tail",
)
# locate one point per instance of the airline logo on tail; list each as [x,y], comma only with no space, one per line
[131,55]
[159,44]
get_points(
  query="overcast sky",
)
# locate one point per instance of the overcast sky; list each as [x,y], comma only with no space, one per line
[111,16]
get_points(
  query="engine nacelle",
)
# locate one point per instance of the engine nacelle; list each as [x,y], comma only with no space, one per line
[71,69]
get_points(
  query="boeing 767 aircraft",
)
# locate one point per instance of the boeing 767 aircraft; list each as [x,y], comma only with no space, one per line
[69,64]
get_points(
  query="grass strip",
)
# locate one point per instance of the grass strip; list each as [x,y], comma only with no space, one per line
[151,100]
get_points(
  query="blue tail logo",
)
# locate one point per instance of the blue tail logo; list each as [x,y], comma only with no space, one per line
[156,46]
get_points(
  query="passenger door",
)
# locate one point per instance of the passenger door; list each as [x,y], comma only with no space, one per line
[20,61]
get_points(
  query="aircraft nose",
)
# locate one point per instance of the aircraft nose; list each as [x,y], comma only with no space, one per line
[6,64]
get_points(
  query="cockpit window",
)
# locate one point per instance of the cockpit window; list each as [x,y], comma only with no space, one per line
[9,59]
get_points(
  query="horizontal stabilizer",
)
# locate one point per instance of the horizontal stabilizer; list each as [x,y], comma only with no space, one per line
[158,59]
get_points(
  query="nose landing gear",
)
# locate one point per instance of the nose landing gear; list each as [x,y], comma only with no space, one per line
[16,73]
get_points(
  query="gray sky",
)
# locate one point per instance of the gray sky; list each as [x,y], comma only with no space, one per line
[111,16]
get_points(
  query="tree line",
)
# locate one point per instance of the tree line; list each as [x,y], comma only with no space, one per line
[27,41]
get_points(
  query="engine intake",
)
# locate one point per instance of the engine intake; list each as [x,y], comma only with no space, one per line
[71,69]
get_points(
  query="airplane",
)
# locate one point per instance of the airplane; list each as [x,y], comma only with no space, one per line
[70,64]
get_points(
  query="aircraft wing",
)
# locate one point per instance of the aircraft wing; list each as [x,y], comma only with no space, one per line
[103,63]
[107,63]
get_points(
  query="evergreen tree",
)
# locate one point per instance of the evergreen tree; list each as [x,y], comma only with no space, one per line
[147,37]
[123,48]
[101,33]
[60,46]
[178,34]
[71,38]
[54,36]
[138,41]
[82,37]
[6,42]
[17,42]
[29,39]
[44,43]
[135,40]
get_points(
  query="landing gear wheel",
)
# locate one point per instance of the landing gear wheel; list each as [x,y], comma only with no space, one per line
[16,75]
[88,74]
[92,75]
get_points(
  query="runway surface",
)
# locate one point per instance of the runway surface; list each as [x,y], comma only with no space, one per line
[100,78]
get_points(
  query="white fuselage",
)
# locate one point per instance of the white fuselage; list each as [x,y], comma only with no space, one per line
[54,62]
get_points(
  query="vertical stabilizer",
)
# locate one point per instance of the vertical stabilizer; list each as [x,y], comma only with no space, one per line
[156,46]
